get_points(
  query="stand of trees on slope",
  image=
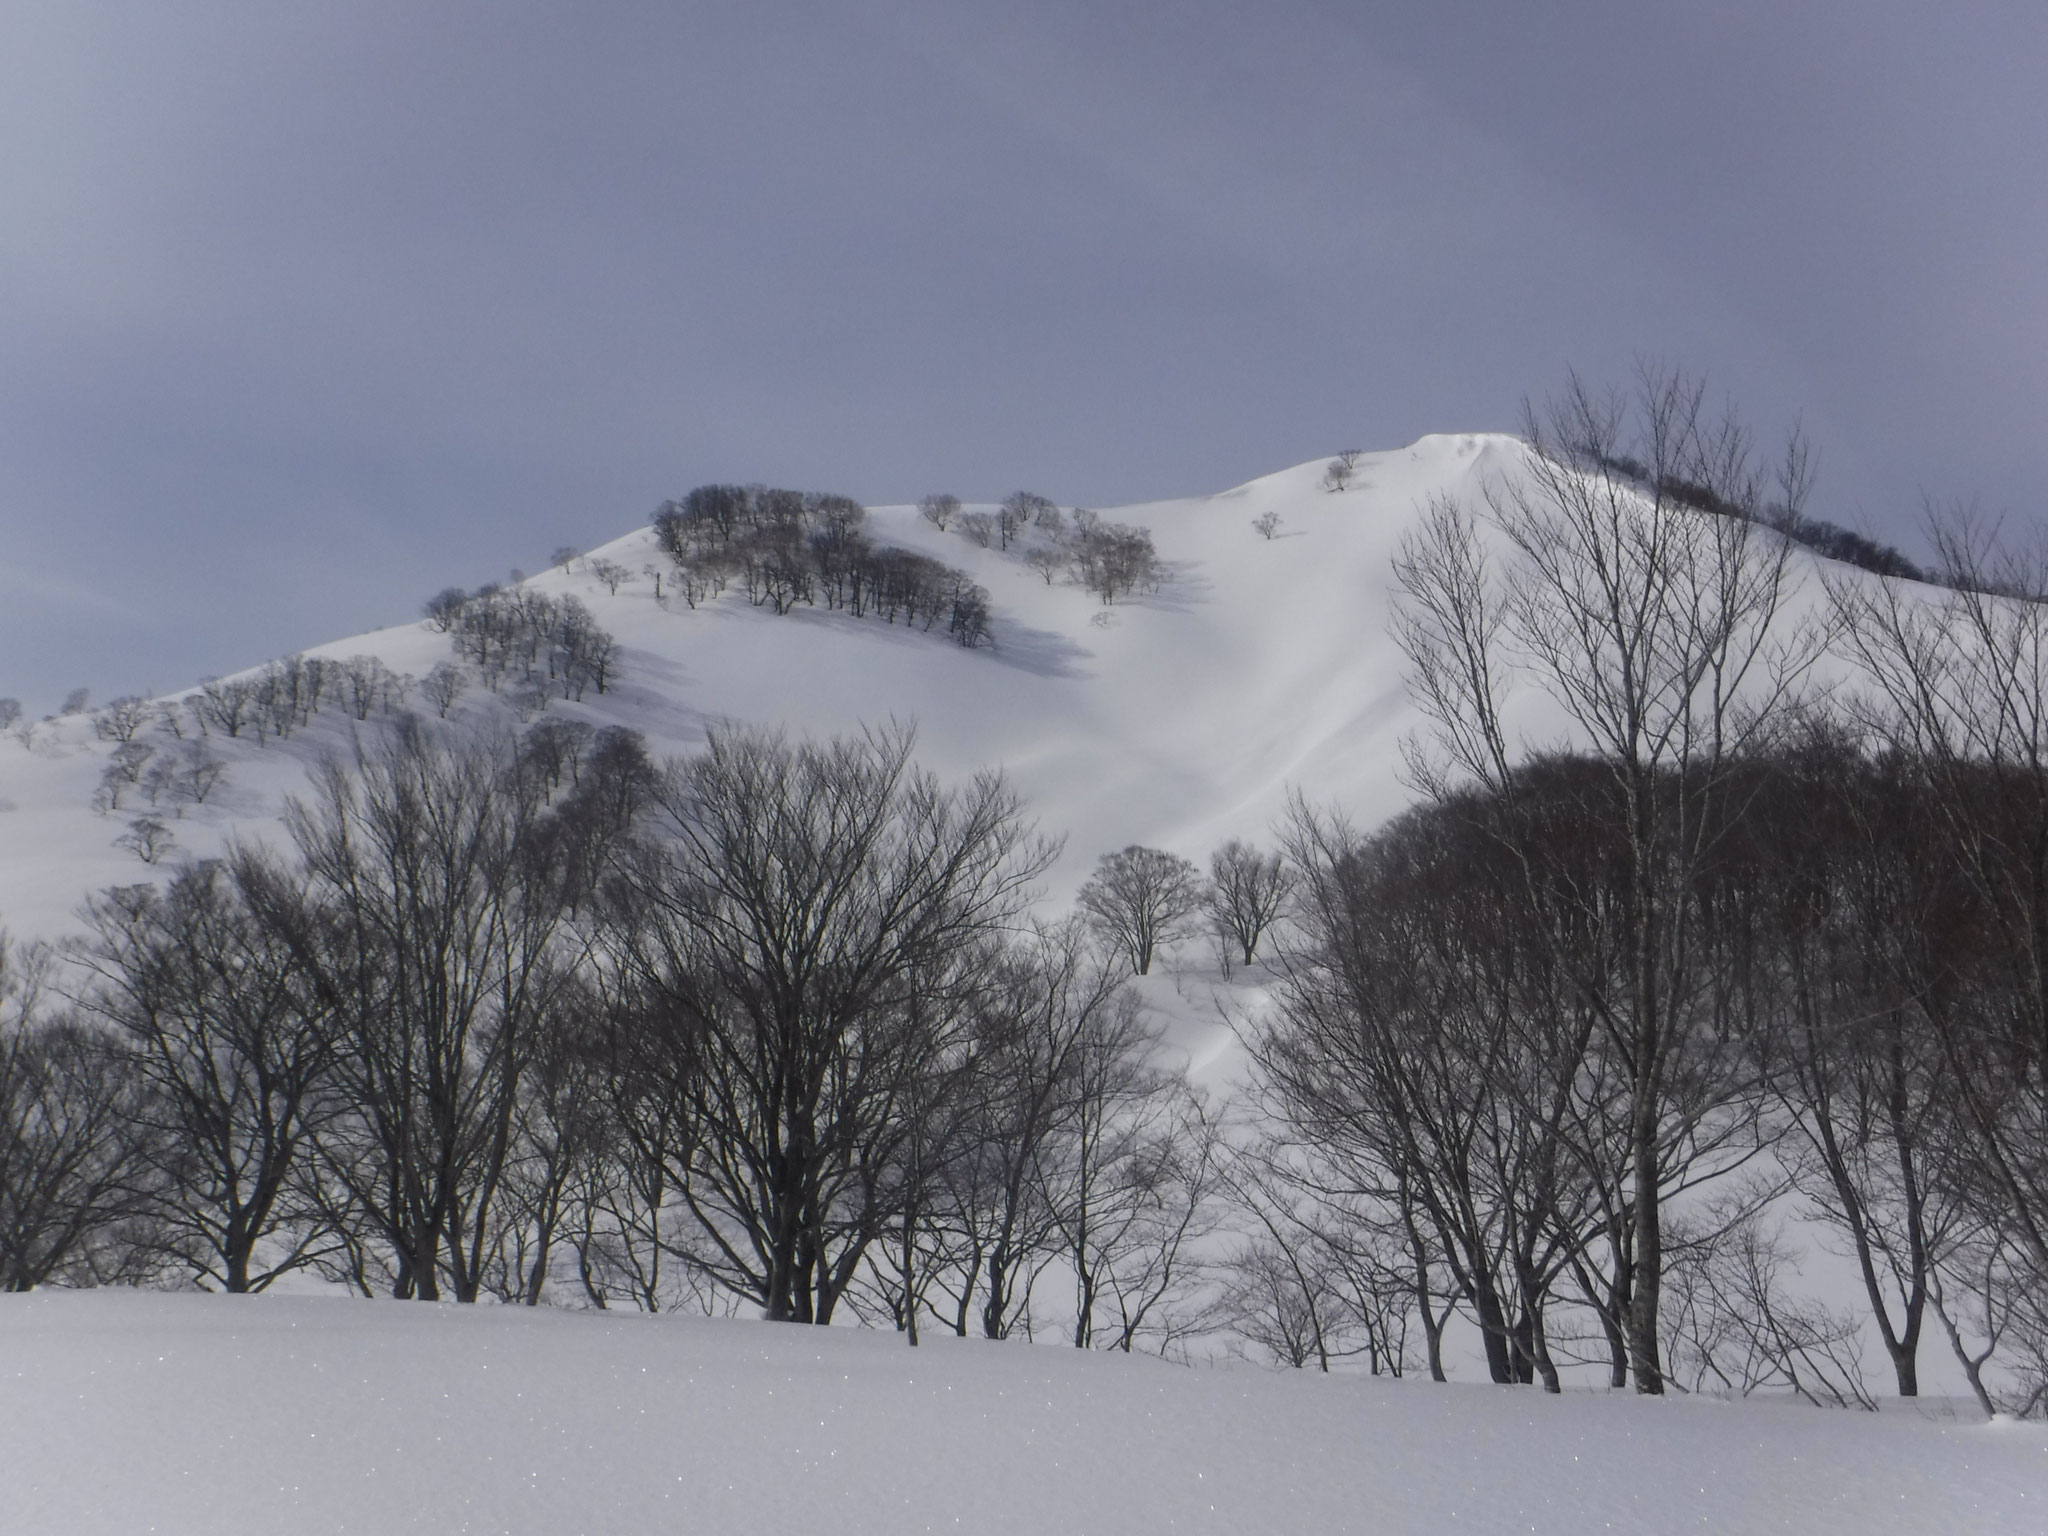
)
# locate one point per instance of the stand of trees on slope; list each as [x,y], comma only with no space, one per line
[522,1016]
[786,548]
[1541,1026]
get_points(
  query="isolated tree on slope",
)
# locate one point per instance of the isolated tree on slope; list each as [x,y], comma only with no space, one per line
[1245,894]
[1140,900]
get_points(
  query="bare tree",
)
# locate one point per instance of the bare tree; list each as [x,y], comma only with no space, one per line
[1960,688]
[1133,1190]
[444,608]
[1658,630]
[148,839]
[226,705]
[611,573]
[120,719]
[124,768]
[444,684]
[1019,511]
[1859,924]
[72,1170]
[1266,524]
[190,773]
[1114,559]
[1337,476]
[1422,1050]
[427,914]
[365,685]
[1733,1327]
[939,510]
[1317,1279]
[233,1041]
[1247,890]
[1140,900]
[804,927]
[1956,685]
[1046,1003]
[1049,560]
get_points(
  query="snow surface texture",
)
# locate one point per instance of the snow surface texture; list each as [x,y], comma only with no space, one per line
[126,1413]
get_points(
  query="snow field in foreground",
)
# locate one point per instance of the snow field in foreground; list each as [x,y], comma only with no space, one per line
[130,1412]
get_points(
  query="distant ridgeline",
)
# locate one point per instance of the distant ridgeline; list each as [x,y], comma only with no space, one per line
[786,547]
[1824,538]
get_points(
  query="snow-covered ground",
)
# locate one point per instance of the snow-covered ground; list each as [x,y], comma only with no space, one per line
[124,1413]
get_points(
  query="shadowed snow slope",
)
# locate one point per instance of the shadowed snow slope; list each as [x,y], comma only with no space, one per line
[125,1412]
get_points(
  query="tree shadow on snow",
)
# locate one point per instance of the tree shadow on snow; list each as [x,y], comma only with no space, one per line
[1183,588]
[1043,652]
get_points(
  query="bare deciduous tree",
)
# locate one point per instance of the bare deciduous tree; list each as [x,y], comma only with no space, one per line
[234,1044]
[444,684]
[1337,476]
[427,915]
[1140,900]
[1658,630]
[120,719]
[1019,511]
[1247,890]
[812,918]
[1114,559]
[72,1170]
[1958,688]
[148,839]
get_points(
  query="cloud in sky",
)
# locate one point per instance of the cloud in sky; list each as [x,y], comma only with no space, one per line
[308,311]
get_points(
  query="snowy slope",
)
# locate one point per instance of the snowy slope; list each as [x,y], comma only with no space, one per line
[125,1412]
[1176,719]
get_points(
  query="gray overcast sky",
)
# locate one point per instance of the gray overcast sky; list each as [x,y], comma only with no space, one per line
[309,309]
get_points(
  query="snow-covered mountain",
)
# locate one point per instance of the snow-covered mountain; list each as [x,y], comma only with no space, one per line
[1176,718]
[1262,665]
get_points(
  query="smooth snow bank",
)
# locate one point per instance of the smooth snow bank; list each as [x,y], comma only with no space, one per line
[130,1412]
